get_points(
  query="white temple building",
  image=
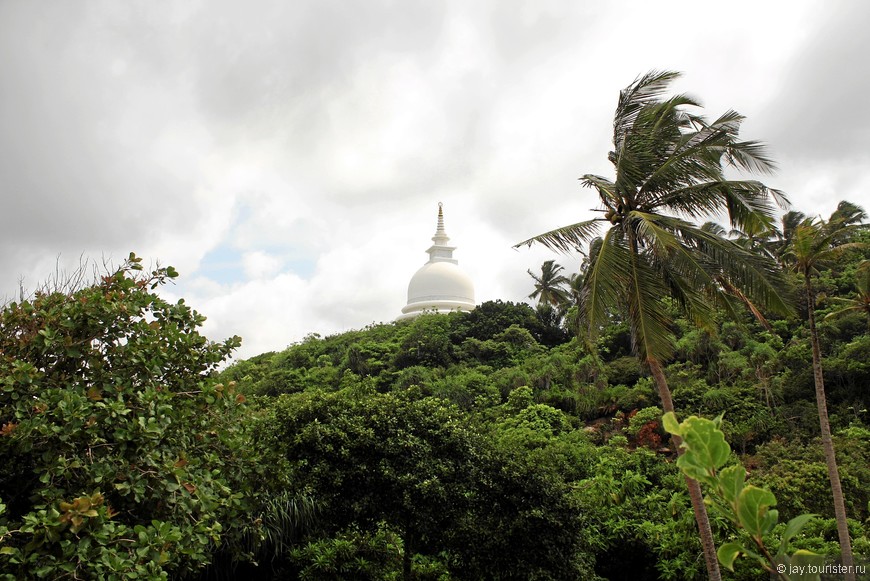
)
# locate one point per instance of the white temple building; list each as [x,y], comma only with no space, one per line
[440,285]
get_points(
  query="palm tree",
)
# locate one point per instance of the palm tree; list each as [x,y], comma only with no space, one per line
[756,236]
[847,214]
[550,286]
[813,244]
[790,221]
[669,166]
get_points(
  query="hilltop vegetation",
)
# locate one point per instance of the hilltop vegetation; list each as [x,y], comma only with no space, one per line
[490,444]
[586,424]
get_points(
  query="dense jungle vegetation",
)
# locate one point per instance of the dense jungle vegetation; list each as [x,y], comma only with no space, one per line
[490,444]
[510,442]
[498,445]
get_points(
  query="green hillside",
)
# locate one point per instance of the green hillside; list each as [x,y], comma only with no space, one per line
[578,476]
[494,444]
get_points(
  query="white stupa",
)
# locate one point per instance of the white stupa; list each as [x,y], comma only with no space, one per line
[440,285]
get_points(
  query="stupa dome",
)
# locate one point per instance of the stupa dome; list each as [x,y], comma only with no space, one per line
[439,285]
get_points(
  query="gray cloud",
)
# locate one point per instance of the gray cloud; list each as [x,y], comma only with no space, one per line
[817,113]
[297,149]
[79,133]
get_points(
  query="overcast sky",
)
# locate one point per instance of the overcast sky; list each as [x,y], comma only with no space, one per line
[288,157]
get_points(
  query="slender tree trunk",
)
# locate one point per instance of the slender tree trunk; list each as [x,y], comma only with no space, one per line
[698,506]
[827,442]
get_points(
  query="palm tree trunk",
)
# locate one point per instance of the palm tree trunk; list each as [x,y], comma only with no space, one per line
[827,442]
[698,506]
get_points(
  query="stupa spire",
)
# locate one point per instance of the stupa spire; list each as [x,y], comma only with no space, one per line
[441,251]
[440,229]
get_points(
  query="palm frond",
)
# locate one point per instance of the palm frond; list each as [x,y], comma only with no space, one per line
[688,274]
[747,302]
[686,158]
[550,286]
[791,220]
[714,228]
[749,156]
[847,214]
[813,244]
[706,259]
[568,238]
[606,189]
[755,276]
[644,90]
[745,201]
[745,155]
[282,520]
[648,318]
[779,198]
[861,302]
[670,161]
[649,156]
[850,306]
[651,234]
[604,282]
[698,304]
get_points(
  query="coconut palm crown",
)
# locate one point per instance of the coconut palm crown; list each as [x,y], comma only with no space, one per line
[670,172]
[550,287]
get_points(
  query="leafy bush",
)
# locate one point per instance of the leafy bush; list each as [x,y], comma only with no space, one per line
[797,474]
[641,418]
[644,426]
[118,453]
[424,470]
[636,515]
[352,554]
[624,370]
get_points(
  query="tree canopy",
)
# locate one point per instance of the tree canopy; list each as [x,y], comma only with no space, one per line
[112,431]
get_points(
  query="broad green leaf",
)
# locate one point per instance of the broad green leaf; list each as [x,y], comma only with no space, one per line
[705,443]
[693,468]
[670,424]
[792,528]
[752,506]
[805,557]
[728,553]
[769,521]
[731,482]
